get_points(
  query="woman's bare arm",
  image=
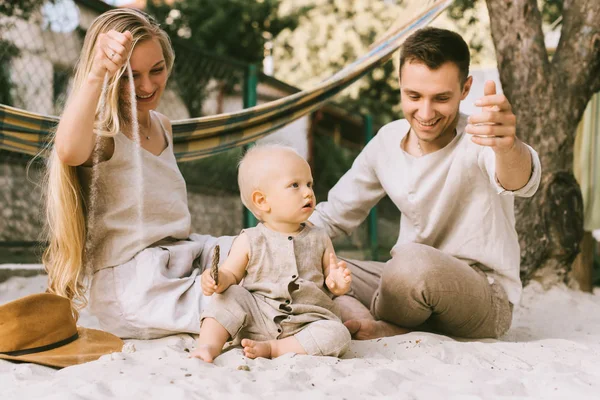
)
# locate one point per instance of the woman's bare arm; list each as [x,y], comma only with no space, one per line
[74,140]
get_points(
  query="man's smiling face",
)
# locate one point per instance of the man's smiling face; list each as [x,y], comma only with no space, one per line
[431,97]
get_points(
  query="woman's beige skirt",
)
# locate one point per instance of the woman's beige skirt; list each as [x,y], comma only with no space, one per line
[158,292]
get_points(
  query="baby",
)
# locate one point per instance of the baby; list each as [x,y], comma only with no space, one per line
[289,269]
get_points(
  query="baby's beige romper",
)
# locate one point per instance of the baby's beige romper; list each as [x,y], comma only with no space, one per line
[283,294]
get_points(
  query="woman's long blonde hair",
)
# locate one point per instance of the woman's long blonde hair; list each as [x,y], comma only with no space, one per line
[66,212]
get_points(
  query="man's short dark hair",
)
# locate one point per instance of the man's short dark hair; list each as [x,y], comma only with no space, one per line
[435,47]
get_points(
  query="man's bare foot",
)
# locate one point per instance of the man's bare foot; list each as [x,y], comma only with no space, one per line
[365,329]
[255,349]
[206,352]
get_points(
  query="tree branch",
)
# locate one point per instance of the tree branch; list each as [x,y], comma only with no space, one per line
[523,62]
[519,41]
[581,25]
[595,85]
[576,63]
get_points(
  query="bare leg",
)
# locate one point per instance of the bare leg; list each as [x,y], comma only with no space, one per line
[272,348]
[361,324]
[365,329]
[351,308]
[211,340]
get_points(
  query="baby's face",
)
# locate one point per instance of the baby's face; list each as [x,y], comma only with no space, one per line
[289,190]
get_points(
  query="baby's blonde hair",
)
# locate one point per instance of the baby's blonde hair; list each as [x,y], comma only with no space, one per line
[253,169]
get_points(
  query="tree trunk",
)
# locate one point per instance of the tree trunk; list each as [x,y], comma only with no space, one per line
[548,98]
[583,267]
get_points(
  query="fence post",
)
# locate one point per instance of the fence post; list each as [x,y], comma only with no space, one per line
[372,219]
[250,99]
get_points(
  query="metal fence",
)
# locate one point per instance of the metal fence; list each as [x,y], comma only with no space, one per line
[38,56]
[37,59]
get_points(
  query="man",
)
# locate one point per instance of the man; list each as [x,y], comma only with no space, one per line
[455,267]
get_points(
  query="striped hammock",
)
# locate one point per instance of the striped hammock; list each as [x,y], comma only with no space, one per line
[26,132]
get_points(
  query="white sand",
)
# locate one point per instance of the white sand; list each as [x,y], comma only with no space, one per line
[552,352]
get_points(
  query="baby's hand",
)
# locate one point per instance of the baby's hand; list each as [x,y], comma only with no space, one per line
[208,284]
[339,279]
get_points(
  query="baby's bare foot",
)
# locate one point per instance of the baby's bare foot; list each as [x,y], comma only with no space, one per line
[255,349]
[206,352]
[365,329]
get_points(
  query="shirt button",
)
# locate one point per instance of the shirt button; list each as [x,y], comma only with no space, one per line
[290,238]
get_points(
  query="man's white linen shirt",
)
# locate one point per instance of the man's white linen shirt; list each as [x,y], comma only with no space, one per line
[449,199]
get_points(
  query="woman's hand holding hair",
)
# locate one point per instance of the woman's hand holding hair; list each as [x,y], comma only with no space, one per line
[110,53]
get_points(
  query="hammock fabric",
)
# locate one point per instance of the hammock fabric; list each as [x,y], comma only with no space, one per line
[26,132]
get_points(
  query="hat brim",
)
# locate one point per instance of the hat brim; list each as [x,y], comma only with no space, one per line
[89,346]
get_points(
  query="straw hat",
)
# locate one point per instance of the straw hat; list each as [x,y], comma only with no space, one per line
[41,329]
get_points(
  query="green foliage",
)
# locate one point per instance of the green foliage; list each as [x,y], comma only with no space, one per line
[340,32]
[233,28]
[551,10]
[7,52]
[457,9]
[330,162]
[378,97]
[19,8]
[216,40]
[465,14]
[214,173]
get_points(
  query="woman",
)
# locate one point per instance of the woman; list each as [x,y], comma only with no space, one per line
[116,201]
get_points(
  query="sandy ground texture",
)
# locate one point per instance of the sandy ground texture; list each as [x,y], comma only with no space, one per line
[551,352]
